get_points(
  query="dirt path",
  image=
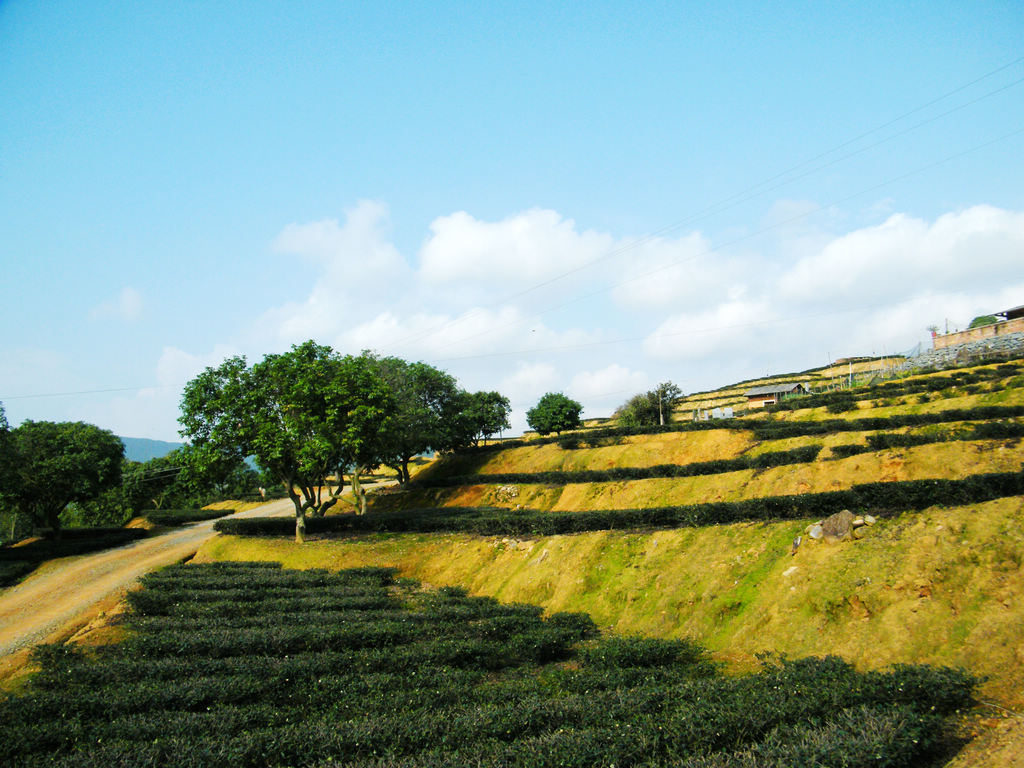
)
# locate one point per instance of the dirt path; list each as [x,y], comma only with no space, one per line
[64,595]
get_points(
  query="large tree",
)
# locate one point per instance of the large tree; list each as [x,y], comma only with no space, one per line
[308,416]
[554,412]
[51,464]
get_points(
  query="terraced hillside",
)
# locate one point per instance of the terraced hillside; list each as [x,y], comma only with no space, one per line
[690,532]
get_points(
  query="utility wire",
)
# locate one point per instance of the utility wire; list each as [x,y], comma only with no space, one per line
[721,205]
[84,392]
[747,194]
[748,236]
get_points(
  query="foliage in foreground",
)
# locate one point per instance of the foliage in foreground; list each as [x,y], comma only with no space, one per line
[312,668]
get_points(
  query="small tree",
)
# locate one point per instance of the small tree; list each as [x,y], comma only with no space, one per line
[641,410]
[51,464]
[667,394]
[982,320]
[648,409]
[483,414]
[554,412]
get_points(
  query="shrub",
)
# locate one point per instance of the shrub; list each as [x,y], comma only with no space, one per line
[174,517]
[455,693]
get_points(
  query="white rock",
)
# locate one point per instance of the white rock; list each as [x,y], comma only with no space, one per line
[816,532]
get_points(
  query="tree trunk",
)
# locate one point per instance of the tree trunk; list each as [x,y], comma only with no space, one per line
[300,514]
[358,492]
[403,478]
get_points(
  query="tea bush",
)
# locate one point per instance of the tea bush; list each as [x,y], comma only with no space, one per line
[880,498]
[444,679]
[175,517]
[800,455]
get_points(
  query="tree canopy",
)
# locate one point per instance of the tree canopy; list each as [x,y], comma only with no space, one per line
[47,465]
[982,320]
[307,416]
[427,402]
[649,408]
[483,414]
[554,412]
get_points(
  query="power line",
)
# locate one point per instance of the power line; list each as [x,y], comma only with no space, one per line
[749,193]
[84,392]
[662,268]
[748,236]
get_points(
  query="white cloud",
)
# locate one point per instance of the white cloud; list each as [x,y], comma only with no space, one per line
[525,385]
[361,271]
[477,331]
[606,387]
[672,272]
[906,256]
[176,367]
[127,306]
[716,331]
[524,248]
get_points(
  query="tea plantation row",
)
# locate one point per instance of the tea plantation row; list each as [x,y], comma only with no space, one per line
[767,428]
[969,380]
[403,677]
[800,455]
[880,498]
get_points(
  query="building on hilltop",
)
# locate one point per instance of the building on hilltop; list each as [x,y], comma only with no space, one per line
[759,397]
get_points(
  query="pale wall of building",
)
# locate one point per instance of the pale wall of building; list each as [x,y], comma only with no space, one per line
[976,334]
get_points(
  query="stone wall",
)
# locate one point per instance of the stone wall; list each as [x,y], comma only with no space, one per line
[1004,346]
[1004,328]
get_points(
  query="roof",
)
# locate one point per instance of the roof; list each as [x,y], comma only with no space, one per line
[1010,314]
[774,389]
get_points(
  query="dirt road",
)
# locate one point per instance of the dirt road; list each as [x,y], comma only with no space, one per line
[64,595]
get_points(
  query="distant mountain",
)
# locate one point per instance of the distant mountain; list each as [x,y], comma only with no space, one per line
[144,449]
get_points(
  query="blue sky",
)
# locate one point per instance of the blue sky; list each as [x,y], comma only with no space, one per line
[534,196]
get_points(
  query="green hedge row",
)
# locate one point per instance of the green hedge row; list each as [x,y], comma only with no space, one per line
[839,399]
[767,429]
[800,455]
[883,497]
[880,441]
[774,430]
[18,561]
[173,517]
[487,699]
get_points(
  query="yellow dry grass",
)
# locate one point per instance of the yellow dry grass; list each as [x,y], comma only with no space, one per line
[628,451]
[923,462]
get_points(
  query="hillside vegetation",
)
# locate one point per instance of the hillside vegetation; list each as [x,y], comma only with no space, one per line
[938,584]
[245,664]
